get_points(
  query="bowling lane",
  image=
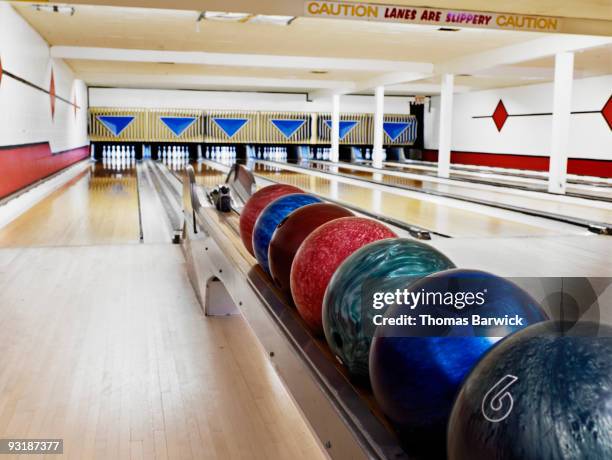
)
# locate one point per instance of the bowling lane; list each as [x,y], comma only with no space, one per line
[98,206]
[590,210]
[208,176]
[434,216]
[531,180]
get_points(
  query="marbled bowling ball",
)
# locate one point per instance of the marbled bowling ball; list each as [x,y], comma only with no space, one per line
[270,217]
[320,255]
[290,234]
[380,266]
[253,207]
[416,371]
[543,393]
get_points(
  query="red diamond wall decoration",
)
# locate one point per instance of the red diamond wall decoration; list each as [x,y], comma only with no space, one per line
[606,112]
[52,94]
[500,115]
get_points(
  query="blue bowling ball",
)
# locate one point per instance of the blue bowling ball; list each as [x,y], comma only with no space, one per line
[416,369]
[270,217]
[543,393]
[348,314]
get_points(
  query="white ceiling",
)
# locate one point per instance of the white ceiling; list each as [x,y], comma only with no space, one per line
[368,42]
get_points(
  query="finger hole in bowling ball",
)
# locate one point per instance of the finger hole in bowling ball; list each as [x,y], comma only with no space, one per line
[337,339]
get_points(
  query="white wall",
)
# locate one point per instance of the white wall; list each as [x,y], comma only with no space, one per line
[227,100]
[590,136]
[25,113]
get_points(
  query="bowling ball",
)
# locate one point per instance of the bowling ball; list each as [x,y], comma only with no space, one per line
[416,370]
[290,234]
[270,217]
[253,207]
[347,307]
[320,255]
[544,392]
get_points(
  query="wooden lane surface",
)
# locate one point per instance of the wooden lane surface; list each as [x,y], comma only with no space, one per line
[107,348]
[438,217]
[156,226]
[96,207]
[539,257]
[587,209]
[529,179]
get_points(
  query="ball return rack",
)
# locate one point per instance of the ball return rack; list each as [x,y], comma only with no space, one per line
[341,413]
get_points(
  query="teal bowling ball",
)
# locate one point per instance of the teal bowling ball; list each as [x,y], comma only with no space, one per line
[347,308]
[543,393]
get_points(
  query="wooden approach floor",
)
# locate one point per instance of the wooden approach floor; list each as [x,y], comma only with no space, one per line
[107,348]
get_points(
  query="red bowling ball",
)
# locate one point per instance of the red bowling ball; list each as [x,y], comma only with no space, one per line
[256,204]
[321,254]
[290,234]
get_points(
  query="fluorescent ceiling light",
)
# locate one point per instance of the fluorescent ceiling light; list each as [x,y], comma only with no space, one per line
[227,17]
[246,17]
[61,9]
[270,19]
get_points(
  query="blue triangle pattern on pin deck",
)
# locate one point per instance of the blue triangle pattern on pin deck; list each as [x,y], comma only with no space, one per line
[115,123]
[230,126]
[288,127]
[177,125]
[394,129]
[346,126]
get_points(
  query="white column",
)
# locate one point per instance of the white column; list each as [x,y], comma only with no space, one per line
[446,121]
[335,129]
[562,101]
[379,114]
[314,135]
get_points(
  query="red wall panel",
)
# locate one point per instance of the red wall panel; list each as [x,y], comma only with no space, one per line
[585,167]
[23,165]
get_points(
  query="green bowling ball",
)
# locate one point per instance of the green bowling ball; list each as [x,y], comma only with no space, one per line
[382,266]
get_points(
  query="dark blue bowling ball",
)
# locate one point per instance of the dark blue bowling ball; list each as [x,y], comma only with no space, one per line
[348,315]
[416,371]
[543,393]
[270,217]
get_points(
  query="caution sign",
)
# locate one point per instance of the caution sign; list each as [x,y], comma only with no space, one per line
[431,16]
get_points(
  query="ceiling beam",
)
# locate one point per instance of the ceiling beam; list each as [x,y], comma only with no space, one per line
[526,72]
[417,88]
[533,49]
[236,60]
[203,81]
[393,78]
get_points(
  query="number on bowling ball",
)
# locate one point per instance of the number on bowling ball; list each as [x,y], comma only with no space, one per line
[417,372]
[562,398]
